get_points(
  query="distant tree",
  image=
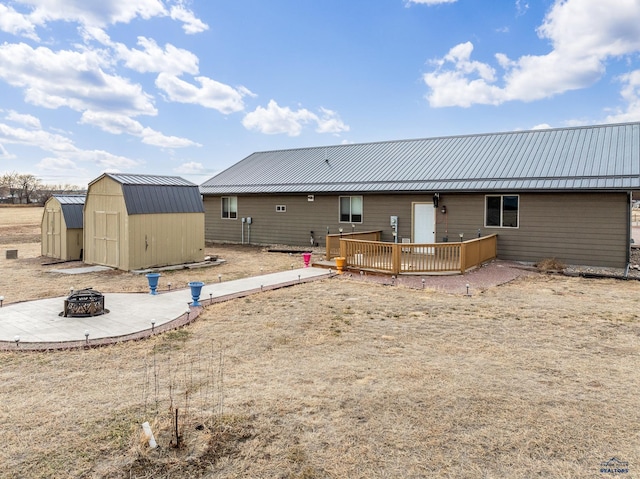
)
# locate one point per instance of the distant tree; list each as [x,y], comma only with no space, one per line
[45,191]
[10,182]
[27,185]
[27,188]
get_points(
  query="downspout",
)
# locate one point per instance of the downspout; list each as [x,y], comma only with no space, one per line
[626,270]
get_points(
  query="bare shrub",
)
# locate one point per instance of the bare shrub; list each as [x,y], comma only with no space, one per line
[550,264]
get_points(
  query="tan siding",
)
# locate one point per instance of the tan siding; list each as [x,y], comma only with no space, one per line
[165,239]
[574,228]
[73,247]
[465,215]
[105,243]
[379,208]
[294,226]
[114,238]
[577,228]
[57,240]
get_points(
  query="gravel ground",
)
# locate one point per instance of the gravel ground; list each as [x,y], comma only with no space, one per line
[633,273]
[494,273]
[490,274]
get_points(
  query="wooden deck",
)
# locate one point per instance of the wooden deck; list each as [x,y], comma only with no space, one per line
[412,258]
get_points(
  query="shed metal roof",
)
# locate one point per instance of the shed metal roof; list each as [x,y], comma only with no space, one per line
[70,199]
[155,194]
[601,157]
[156,180]
[154,199]
[72,210]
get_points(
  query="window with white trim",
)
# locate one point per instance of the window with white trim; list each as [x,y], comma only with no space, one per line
[351,209]
[502,211]
[281,208]
[230,207]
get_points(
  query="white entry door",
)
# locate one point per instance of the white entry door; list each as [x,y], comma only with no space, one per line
[424,223]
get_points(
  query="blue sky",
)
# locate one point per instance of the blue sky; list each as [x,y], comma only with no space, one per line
[188,88]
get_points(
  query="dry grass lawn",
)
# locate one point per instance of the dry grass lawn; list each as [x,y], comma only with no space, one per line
[342,378]
[33,276]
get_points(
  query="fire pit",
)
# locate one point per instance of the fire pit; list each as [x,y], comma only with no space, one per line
[84,303]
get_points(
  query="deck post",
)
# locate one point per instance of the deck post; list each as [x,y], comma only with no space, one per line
[343,249]
[463,257]
[327,245]
[396,258]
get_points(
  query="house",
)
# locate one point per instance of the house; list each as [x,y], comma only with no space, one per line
[61,227]
[142,221]
[556,193]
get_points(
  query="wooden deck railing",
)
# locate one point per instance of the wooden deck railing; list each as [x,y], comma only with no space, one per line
[414,258]
[333,241]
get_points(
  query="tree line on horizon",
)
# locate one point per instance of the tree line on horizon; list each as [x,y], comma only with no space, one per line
[25,188]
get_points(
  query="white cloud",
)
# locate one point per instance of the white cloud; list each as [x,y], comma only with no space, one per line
[469,83]
[24,119]
[16,23]
[210,93]
[118,124]
[521,7]
[155,138]
[77,81]
[152,58]
[62,147]
[4,154]
[92,14]
[330,122]
[112,122]
[191,168]
[631,96]
[106,160]
[542,126]
[191,24]
[56,165]
[84,79]
[54,170]
[100,158]
[72,79]
[39,138]
[276,119]
[584,34]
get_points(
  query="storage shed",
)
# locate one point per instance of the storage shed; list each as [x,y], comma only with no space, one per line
[143,221]
[62,227]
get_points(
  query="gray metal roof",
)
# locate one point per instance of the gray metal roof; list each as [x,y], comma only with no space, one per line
[602,157]
[154,194]
[72,206]
[70,199]
[152,199]
[157,180]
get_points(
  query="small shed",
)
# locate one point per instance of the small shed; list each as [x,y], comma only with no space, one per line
[62,225]
[143,221]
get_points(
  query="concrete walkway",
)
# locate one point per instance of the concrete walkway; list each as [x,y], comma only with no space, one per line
[130,314]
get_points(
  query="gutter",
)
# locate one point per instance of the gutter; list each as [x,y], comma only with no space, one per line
[628,259]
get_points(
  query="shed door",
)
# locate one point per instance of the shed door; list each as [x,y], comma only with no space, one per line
[53,224]
[105,240]
[424,223]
